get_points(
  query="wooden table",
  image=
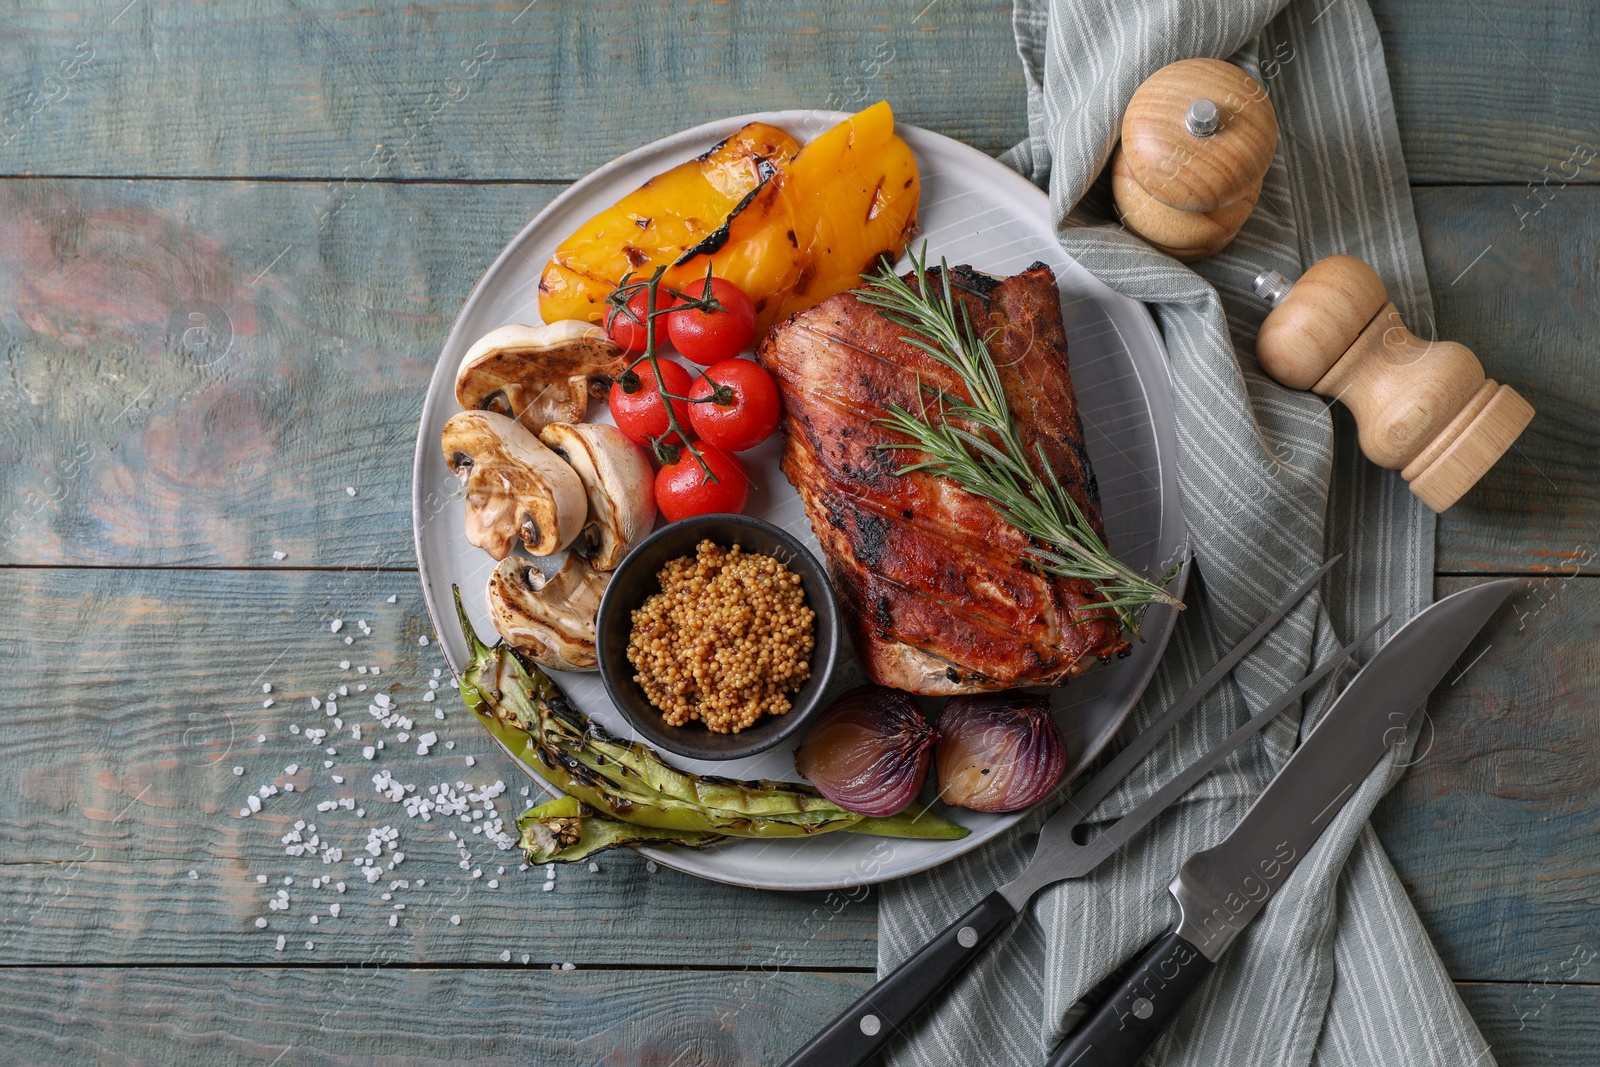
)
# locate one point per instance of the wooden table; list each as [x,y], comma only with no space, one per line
[232,238]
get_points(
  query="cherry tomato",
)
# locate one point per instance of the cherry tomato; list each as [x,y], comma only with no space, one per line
[746,420]
[628,334]
[712,336]
[641,414]
[682,489]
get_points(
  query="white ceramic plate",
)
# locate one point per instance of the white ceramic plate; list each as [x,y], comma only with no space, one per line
[974,211]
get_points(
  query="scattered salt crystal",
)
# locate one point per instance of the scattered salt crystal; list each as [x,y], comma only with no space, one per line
[338,887]
[294,728]
[280,556]
[293,768]
[394,920]
[316,703]
[261,879]
[349,640]
[650,865]
[525,959]
[287,881]
[361,670]
[594,868]
[391,598]
[505,957]
[238,770]
[338,779]
[369,752]
[427,698]
[280,942]
[288,787]
[333,909]
[423,640]
[449,744]
[455,920]
[349,490]
[266,687]
[313,920]
[194,874]
[253,801]
[478,873]
[336,625]
[261,738]
[344,665]
[493,884]
[310,945]
[439,714]
[267,703]
[376,672]
[548,886]
[471,761]
[261,924]
[327,764]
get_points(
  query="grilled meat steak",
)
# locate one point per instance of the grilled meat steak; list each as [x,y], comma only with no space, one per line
[936,585]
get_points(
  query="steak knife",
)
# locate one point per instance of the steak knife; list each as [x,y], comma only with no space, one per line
[1221,889]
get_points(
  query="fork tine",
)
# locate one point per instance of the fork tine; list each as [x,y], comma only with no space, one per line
[1087,798]
[1120,832]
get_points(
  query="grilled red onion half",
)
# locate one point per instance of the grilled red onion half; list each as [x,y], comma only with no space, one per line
[869,752]
[998,752]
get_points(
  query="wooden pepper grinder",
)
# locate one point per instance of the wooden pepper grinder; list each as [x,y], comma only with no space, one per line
[1197,139]
[1423,408]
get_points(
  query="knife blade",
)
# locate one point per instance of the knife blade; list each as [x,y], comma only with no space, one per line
[1221,889]
[863,1028]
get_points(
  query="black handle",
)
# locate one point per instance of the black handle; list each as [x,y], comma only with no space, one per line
[1122,1029]
[865,1026]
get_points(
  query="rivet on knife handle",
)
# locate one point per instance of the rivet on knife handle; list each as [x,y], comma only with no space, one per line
[1144,1004]
[866,1026]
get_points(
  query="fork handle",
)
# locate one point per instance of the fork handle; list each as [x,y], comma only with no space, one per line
[866,1026]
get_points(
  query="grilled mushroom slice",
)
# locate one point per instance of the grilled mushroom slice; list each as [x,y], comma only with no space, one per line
[538,374]
[620,484]
[550,620]
[516,487]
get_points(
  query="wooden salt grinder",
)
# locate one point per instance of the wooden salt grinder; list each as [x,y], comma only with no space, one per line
[1197,139]
[1423,408]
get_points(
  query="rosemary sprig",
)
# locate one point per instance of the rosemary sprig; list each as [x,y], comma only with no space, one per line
[977,444]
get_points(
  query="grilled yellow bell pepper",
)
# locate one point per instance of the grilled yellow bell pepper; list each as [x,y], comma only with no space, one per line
[854,192]
[790,226]
[726,203]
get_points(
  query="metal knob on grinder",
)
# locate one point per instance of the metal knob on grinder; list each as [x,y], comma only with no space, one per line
[1197,139]
[1423,408]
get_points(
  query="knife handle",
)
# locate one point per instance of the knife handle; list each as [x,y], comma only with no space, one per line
[866,1026]
[1144,1003]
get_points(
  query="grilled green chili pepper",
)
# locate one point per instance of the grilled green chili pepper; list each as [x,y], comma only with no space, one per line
[628,782]
[564,831]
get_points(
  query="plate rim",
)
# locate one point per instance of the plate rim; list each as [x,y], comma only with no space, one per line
[718,128]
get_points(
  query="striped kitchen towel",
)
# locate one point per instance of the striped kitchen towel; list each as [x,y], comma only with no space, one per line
[1338,969]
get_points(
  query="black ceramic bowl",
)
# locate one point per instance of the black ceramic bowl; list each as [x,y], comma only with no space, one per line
[635,580]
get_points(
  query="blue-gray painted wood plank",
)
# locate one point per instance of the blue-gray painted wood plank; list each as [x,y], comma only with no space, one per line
[131,695]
